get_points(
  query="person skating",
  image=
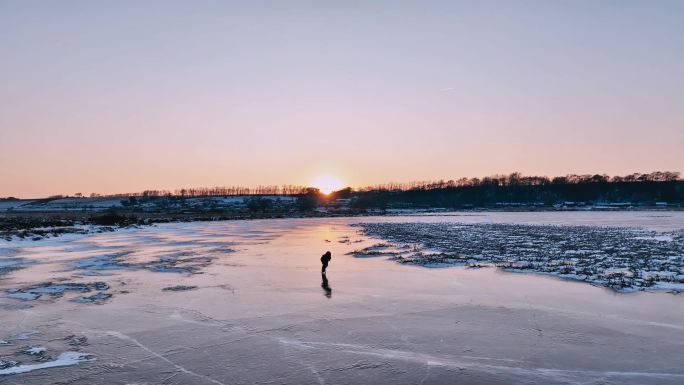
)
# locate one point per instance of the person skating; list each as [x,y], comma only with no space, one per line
[325,259]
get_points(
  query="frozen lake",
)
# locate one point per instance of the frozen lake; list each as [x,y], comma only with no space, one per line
[243,302]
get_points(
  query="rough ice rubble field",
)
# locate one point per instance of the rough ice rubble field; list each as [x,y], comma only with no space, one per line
[622,258]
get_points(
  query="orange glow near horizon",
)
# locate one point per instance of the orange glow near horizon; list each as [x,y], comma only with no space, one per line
[327,183]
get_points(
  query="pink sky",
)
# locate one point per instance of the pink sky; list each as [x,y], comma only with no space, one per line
[126,96]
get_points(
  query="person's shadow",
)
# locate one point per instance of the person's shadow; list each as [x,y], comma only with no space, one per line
[326,286]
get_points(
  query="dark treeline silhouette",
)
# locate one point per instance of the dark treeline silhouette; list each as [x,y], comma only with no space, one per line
[526,190]
[216,191]
[516,179]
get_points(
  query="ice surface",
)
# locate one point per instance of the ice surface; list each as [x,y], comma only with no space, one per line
[23,335]
[164,263]
[261,312]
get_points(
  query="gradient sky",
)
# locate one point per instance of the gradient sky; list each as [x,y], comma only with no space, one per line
[118,96]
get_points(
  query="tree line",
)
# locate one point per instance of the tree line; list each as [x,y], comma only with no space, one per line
[517,189]
[216,191]
[517,179]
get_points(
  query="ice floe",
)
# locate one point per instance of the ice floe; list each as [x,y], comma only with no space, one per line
[95,298]
[54,289]
[64,359]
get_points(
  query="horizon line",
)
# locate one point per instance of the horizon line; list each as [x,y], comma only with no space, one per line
[294,189]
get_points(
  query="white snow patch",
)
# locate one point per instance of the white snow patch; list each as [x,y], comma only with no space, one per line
[34,351]
[64,359]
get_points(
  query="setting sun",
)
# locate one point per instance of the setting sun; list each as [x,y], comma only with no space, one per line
[327,183]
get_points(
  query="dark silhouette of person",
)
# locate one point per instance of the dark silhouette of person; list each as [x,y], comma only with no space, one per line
[325,259]
[325,286]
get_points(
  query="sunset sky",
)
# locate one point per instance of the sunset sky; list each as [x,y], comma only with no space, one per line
[119,96]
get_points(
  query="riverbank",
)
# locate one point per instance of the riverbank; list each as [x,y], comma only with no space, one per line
[37,224]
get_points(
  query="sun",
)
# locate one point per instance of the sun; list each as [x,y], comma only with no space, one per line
[327,183]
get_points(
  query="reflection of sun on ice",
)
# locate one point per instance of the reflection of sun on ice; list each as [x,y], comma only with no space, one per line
[327,183]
